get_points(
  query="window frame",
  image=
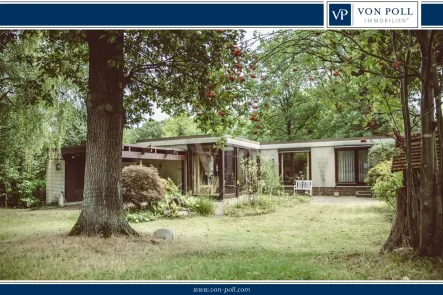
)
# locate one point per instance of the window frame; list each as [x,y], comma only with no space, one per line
[356,170]
[292,152]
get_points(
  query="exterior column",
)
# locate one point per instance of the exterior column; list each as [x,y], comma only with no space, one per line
[236,163]
[221,173]
[55,181]
[184,176]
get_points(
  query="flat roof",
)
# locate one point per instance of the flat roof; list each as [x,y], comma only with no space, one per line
[179,143]
[242,142]
[325,140]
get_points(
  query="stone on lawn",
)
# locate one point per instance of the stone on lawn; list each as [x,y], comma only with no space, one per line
[164,233]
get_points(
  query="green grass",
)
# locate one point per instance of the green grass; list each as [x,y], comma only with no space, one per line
[310,241]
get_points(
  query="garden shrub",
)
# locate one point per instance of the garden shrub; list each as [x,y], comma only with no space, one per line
[263,204]
[142,185]
[171,187]
[380,152]
[168,207]
[250,179]
[251,206]
[384,183]
[204,206]
[270,180]
[138,216]
[30,202]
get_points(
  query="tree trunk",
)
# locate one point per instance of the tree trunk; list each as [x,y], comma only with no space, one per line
[411,199]
[288,128]
[404,231]
[438,241]
[399,235]
[427,194]
[102,209]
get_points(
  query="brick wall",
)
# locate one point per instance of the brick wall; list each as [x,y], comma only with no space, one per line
[343,191]
[329,191]
[55,180]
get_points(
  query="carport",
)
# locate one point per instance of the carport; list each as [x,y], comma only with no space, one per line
[170,162]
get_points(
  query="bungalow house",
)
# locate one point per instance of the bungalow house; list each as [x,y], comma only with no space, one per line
[196,164]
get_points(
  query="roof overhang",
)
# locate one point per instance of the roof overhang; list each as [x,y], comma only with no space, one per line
[133,151]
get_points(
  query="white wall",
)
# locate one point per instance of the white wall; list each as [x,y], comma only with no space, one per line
[271,154]
[55,181]
[319,155]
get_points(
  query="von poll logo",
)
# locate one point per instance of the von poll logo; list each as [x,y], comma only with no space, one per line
[375,14]
[340,15]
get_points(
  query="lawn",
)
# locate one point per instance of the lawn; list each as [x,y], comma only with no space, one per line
[310,241]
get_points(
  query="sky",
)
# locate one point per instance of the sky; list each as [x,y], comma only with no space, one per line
[159,115]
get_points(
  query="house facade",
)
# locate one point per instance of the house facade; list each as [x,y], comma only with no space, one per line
[195,164]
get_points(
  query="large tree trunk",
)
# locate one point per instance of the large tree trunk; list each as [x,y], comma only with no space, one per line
[399,235]
[102,210]
[404,231]
[428,246]
[439,194]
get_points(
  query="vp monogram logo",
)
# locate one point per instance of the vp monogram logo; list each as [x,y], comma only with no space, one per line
[341,13]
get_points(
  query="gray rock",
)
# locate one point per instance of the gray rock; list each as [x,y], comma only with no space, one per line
[164,233]
[402,251]
[183,213]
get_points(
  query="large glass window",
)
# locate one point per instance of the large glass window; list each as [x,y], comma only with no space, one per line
[206,170]
[230,168]
[346,166]
[294,166]
[352,166]
[362,165]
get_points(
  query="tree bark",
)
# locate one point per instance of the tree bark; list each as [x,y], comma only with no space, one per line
[411,200]
[288,128]
[428,154]
[102,209]
[404,231]
[399,235]
[438,241]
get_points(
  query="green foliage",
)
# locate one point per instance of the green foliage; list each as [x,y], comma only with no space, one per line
[149,130]
[250,181]
[257,205]
[156,63]
[380,152]
[204,206]
[323,84]
[142,184]
[40,114]
[270,183]
[171,188]
[384,184]
[31,202]
[139,216]
[168,207]
[180,126]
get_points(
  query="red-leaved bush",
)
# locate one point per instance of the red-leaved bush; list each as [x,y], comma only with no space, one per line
[142,185]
